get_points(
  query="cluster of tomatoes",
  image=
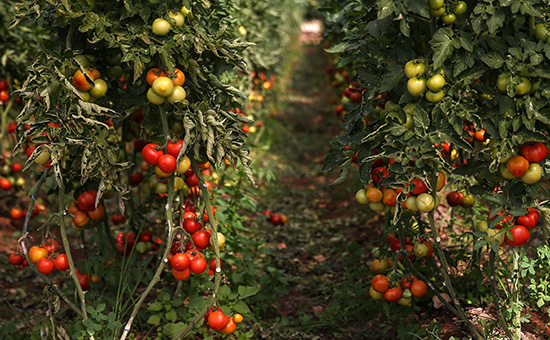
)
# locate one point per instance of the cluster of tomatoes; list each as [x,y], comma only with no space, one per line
[401,292]
[90,91]
[509,230]
[164,88]
[275,218]
[4,95]
[418,248]
[218,321]
[525,166]
[45,257]
[438,9]
[247,128]
[260,84]
[162,26]
[166,165]
[84,209]
[414,70]
[455,198]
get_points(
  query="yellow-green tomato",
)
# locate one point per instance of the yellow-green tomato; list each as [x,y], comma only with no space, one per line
[482,226]
[163,86]
[178,18]
[42,157]
[361,197]
[161,27]
[415,68]
[377,206]
[410,203]
[436,83]
[504,172]
[416,86]
[183,165]
[178,95]
[425,202]
[533,174]
[523,87]
[155,98]
[434,97]
[503,83]
[99,89]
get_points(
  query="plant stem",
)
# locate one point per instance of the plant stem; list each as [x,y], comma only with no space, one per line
[515,293]
[496,297]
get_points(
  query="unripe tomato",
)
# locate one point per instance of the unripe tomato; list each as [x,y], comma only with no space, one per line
[415,68]
[177,18]
[183,165]
[533,174]
[163,86]
[378,266]
[435,4]
[99,89]
[161,27]
[523,87]
[449,18]
[467,201]
[221,242]
[177,95]
[425,202]
[436,83]
[416,86]
[460,8]
[434,97]
[238,318]
[154,98]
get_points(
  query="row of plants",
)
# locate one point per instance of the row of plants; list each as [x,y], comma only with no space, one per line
[131,131]
[446,101]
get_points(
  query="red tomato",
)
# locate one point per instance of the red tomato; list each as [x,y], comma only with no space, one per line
[15,167]
[419,288]
[86,201]
[419,186]
[380,283]
[4,96]
[61,262]
[118,219]
[393,294]
[212,264]
[379,174]
[167,163]
[84,281]
[51,246]
[198,265]
[17,213]
[180,261]
[217,320]
[150,154]
[407,281]
[4,84]
[192,181]
[530,220]
[181,275]
[201,239]
[97,213]
[454,198]
[5,184]
[136,178]
[81,219]
[145,236]
[45,266]
[517,165]
[534,153]
[174,148]
[520,236]
[191,226]
[16,259]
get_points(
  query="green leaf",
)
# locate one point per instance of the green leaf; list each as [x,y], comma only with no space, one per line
[153,319]
[171,316]
[496,21]
[247,291]
[442,43]
[420,117]
[155,307]
[338,48]
[241,307]
[224,292]
[385,8]
[493,60]
[391,78]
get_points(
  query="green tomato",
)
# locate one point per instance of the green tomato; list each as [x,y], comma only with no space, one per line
[449,18]
[409,123]
[436,4]
[416,86]
[415,68]
[541,32]
[161,27]
[361,197]
[461,8]
[99,89]
[503,82]
[178,95]
[114,72]
[434,97]
[409,108]
[420,250]
[437,12]
[523,87]
[391,106]
[482,226]
[436,83]
[178,18]
[154,98]
[82,59]
[410,203]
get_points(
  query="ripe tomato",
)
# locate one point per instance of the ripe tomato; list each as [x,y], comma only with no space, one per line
[534,153]
[97,213]
[217,320]
[80,82]
[230,327]
[5,184]
[86,201]
[153,74]
[389,198]
[84,281]
[419,288]
[374,195]
[15,167]
[212,264]
[36,253]
[4,96]
[16,259]
[407,281]
[179,78]
[16,213]
[520,236]
[181,275]
[167,163]
[419,186]
[380,283]
[51,246]
[393,294]
[180,261]
[192,181]
[238,318]
[191,226]
[174,148]
[201,239]
[61,262]
[4,84]
[150,154]
[145,236]
[44,266]
[81,219]
[136,178]
[530,220]
[118,219]
[198,265]
[379,174]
